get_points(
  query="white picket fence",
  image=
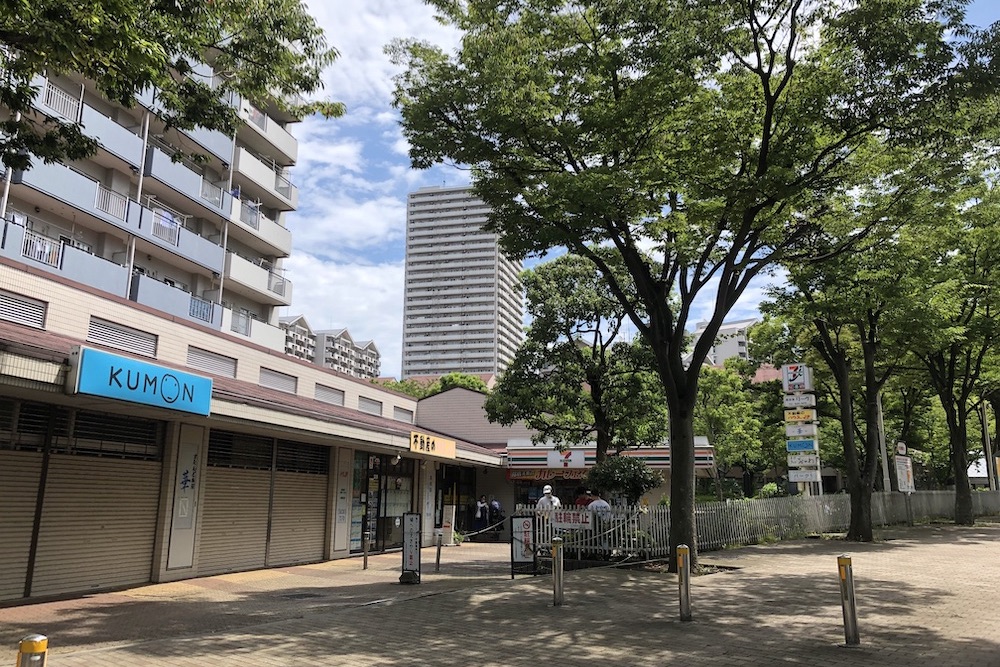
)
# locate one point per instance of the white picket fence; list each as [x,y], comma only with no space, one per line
[644,531]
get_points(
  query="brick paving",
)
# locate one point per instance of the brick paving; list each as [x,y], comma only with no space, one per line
[926,596]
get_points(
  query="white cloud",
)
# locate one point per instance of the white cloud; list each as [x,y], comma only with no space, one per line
[365,298]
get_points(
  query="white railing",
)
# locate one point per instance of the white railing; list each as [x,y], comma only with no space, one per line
[201,309]
[41,248]
[241,323]
[166,226]
[250,214]
[282,185]
[111,202]
[61,102]
[211,193]
[276,283]
[257,117]
[645,530]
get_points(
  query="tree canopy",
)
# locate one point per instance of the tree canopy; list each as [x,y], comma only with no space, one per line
[268,51]
[697,139]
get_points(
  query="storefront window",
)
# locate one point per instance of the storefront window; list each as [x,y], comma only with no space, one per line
[383,491]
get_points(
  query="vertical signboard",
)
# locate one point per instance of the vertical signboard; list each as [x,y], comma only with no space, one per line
[904,474]
[801,427]
[411,548]
[343,518]
[523,559]
[187,474]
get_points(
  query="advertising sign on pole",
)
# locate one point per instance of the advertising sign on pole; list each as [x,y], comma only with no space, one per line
[800,415]
[522,545]
[801,445]
[796,377]
[799,430]
[803,461]
[904,474]
[800,400]
[411,548]
[804,475]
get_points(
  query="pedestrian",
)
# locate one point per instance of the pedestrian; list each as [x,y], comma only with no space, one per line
[548,501]
[583,497]
[482,515]
[598,504]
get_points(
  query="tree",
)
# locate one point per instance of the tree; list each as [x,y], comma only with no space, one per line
[444,383]
[268,51]
[725,413]
[694,138]
[574,380]
[624,475]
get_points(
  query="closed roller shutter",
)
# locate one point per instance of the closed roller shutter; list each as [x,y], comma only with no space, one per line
[98,524]
[234,520]
[298,519]
[19,473]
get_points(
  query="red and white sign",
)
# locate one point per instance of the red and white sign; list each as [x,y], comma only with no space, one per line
[571,519]
[796,377]
[571,458]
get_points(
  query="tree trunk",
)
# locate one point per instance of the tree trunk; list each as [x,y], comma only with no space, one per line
[960,466]
[682,521]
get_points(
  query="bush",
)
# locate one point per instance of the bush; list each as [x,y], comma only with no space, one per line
[769,490]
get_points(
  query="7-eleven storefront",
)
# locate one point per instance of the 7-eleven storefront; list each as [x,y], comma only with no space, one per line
[531,467]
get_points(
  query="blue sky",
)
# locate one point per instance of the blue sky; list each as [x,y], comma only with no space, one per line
[353,176]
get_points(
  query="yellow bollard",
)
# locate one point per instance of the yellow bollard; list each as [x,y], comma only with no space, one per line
[32,651]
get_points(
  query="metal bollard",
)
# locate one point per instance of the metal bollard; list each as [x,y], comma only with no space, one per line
[684,580]
[557,571]
[851,635]
[440,540]
[364,546]
[32,651]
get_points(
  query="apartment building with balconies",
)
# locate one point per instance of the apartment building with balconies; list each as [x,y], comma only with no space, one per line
[463,306]
[201,240]
[335,349]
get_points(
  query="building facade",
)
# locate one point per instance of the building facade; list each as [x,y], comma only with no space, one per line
[334,349]
[731,341]
[151,426]
[463,304]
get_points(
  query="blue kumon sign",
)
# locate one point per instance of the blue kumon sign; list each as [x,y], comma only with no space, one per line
[109,375]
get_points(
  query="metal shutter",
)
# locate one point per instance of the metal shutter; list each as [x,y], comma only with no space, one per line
[234,520]
[121,337]
[329,395]
[402,414]
[19,473]
[98,524]
[279,381]
[22,310]
[370,406]
[298,519]
[211,362]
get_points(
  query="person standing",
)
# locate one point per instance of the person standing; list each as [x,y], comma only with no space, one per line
[482,515]
[548,501]
[598,504]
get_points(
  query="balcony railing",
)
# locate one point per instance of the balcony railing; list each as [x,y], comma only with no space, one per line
[282,185]
[201,309]
[211,193]
[111,202]
[276,283]
[257,117]
[61,102]
[166,226]
[241,323]
[41,248]
[250,214]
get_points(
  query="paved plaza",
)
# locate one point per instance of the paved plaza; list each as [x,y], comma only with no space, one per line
[926,596]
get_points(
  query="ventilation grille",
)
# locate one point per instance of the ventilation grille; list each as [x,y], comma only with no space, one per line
[402,414]
[297,457]
[23,426]
[370,406]
[121,337]
[238,450]
[329,395]
[211,362]
[22,310]
[279,381]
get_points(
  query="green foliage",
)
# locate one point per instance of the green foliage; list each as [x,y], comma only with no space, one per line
[625,476]
[769,490]
[572,380]
[267,51]
[725,413]
[444,383]
[408,387]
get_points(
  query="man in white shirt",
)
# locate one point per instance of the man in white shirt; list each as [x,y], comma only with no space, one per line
[547,501]
[599,504]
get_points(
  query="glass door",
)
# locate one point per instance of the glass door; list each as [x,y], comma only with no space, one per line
[383,492]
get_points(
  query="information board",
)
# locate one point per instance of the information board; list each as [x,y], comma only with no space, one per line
[523,559]
[904,474]
[411,547]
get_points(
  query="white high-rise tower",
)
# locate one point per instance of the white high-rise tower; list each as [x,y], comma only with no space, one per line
[463,306]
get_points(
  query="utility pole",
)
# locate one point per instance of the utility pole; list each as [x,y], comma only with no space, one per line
[991,464]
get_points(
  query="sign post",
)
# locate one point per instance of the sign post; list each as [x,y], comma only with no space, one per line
[411,548]
[801,427]
[523,559]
